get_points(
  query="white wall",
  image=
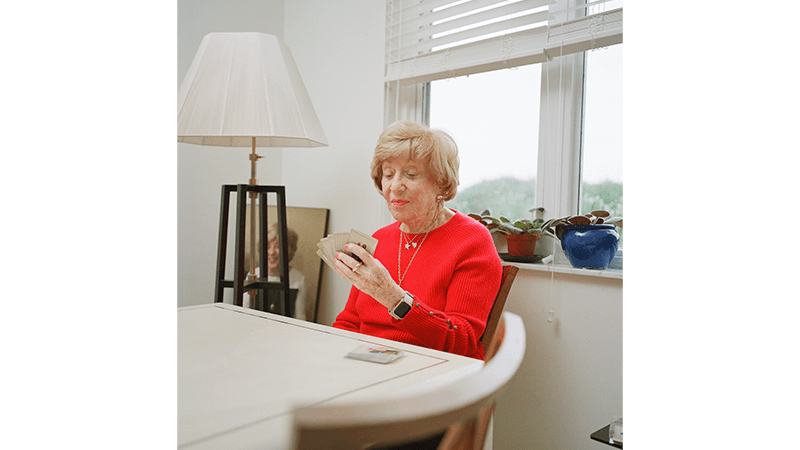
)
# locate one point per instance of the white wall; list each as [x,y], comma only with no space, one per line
[339,50]
[570,382]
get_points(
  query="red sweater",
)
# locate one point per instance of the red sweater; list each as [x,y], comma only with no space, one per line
[454,280]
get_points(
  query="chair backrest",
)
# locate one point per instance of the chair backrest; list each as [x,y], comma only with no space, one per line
[422,414]
[509,273]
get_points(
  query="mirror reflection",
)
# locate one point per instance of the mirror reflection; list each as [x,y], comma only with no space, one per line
[306,226]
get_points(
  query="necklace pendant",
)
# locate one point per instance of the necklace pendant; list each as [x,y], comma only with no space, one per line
[407,246]
[413,244]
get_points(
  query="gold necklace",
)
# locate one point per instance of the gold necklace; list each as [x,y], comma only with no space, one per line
[399,244]
[400,278]
[411,243]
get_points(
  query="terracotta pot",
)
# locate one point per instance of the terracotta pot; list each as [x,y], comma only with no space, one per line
[522,244]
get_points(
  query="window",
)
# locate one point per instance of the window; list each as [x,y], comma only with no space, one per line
[494,117]
[601,149]
[557,105]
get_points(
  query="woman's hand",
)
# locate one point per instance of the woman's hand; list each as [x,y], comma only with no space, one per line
[369,276]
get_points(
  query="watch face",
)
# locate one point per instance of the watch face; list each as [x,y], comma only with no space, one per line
[402,309]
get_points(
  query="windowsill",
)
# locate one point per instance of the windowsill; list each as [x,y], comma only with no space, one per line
[564,268]
[562,264]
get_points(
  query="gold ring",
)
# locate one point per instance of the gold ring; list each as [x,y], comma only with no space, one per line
[356,266]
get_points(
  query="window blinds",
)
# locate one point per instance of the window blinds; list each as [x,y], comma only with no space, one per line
[594,27]
[428,40]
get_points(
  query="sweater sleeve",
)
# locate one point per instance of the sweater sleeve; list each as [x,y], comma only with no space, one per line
[348,319]
[470,295]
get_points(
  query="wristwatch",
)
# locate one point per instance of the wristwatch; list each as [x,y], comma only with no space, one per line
[402,308]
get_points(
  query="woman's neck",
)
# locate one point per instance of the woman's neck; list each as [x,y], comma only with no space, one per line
[439,219]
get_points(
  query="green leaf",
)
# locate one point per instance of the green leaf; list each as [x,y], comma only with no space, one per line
[513,229]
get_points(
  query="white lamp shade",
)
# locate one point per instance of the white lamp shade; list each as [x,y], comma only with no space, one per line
[242,86]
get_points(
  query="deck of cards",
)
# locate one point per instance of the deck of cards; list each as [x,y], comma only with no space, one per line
[375,353]
[328,246]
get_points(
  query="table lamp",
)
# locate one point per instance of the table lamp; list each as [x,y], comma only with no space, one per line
[244,90]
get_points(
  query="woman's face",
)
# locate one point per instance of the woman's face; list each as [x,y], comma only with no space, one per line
[273,257]
[410,192]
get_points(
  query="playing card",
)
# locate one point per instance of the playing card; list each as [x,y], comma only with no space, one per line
[375,353]
[329,245]
[339,239]
[326,250]
[336,244]
[324,257]
[368,242]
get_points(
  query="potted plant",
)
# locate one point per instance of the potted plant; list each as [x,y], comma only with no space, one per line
[588,241]
[521,234]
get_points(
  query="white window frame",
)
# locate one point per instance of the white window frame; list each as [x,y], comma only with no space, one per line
[558,177]
[559,146]
[560,130]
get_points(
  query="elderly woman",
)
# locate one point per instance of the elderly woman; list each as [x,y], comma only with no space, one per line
[296,278]
[447,272]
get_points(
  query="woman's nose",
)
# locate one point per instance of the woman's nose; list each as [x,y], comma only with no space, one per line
[395,184]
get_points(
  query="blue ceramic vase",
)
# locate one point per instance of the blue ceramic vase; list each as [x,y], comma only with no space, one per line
[589,246]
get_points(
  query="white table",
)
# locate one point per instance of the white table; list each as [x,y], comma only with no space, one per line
[241,372]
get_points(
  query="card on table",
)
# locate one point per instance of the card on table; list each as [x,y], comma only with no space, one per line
[375,353]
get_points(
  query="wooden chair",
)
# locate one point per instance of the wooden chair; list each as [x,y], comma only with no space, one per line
[455,407]
[509,273]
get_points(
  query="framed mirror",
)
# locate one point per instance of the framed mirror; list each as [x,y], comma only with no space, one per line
[305,268]
[311,225]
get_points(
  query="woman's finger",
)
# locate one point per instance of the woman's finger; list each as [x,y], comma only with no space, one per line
[359,252]
[346,260]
